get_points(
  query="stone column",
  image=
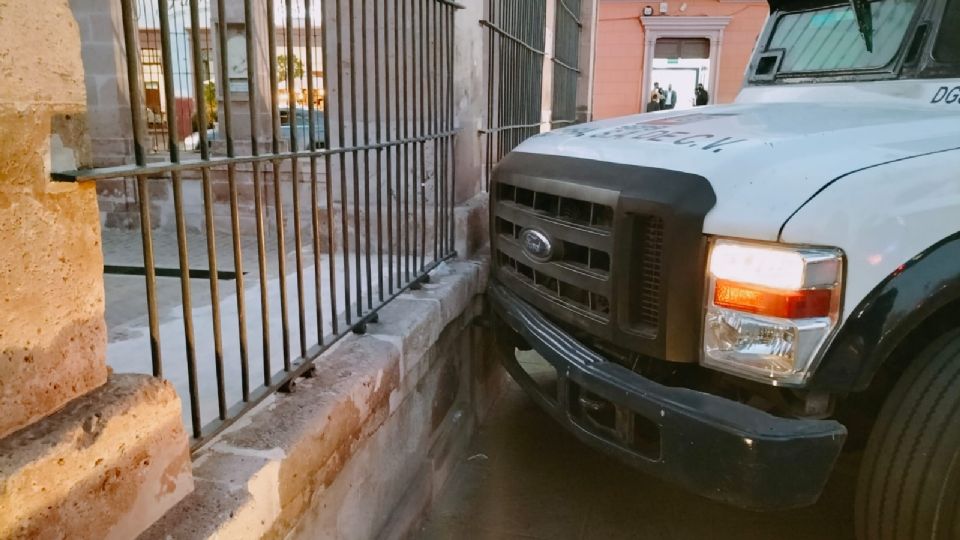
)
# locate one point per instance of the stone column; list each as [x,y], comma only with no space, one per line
[470,99]
[549,48]
[588,52]
[108,98]
[233,22]
[82,454]
[52,331]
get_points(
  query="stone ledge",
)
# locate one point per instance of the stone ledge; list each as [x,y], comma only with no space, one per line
[275,474]
[106,466]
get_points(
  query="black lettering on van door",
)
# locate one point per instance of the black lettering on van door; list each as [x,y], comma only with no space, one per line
[715,145]
[941,93]
[689,141]
[651,135]
[953,95]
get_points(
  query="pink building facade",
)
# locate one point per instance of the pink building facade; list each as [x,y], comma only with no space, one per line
[677,44]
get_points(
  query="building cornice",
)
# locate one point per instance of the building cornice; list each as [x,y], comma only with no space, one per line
[700,23]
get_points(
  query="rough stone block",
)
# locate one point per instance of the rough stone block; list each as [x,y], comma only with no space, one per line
[416,321]
[106,466]
[51,74]
[24,136]
[52,331]
[471,225]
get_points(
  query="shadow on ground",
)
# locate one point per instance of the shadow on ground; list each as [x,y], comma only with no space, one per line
[527,478]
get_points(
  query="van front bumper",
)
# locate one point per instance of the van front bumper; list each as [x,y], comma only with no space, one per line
[713,446]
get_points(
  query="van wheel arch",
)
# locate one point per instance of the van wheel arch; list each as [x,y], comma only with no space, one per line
[859,410]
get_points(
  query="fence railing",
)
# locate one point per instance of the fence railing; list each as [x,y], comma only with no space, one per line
[334,125]
[515,54]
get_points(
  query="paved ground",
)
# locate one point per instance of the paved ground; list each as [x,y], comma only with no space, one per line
[126,297]
[527,478]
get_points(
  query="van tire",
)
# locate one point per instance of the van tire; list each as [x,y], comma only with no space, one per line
[909,483]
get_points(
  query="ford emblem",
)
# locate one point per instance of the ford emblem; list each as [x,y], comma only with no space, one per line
[536,245]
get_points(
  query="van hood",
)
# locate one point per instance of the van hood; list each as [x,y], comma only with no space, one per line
[764,160]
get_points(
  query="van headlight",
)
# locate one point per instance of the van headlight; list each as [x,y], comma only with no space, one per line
[770,309]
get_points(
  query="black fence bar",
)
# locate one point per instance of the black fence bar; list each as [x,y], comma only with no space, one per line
[379,23]
[292,60]
[405,194]
[240,175]
[355,114]
[366,153]
[328,168]
[312,126]
[388,15]
[400,134]
[276,178]
[207,194]
[253,80]
[240,285]
[129,16]
[342,162]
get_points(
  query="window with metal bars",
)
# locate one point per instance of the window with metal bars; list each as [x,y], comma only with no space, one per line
[516,43]
[515,54]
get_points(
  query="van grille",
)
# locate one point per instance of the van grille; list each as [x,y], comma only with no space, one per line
[629,254]
[648,270]
[580,276]
[572,297]
[565,209]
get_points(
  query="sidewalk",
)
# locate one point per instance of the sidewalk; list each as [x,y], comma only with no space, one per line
[526,478]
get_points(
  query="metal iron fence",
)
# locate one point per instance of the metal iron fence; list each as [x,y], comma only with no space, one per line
[515,54]
[566,62]
[360,172]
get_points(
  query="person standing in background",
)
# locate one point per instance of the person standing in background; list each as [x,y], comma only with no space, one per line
[654,104]
[669,98]
[703,97]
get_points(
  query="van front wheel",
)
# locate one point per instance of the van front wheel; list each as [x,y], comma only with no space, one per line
[909,484]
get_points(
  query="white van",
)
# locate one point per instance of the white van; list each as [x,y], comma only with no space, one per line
[731,295]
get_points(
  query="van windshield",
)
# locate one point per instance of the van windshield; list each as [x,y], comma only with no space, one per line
[829,39]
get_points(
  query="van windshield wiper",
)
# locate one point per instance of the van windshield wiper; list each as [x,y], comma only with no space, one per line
[864,20]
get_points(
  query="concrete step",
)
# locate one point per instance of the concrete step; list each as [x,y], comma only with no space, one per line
[107,465]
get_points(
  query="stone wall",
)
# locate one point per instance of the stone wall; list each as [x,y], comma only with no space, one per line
[360,449]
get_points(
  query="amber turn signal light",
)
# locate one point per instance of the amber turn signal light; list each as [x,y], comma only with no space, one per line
[802,304]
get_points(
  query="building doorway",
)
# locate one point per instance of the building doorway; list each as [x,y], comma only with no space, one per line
[680,64]
[681,50]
